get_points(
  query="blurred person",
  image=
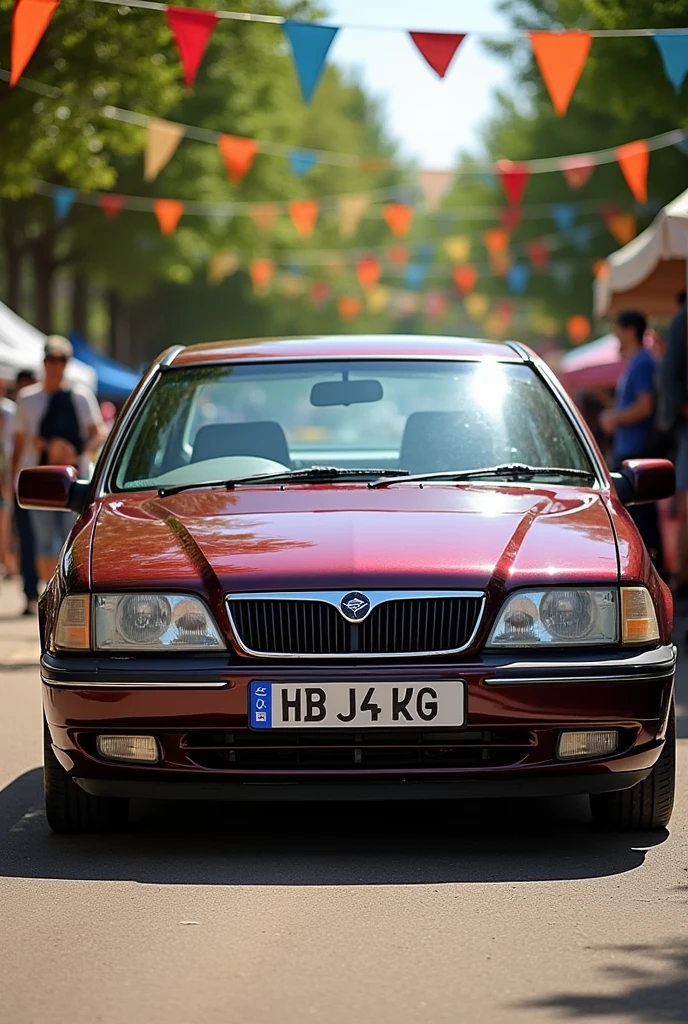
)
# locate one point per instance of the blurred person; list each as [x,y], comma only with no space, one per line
[631,421]
[7,410]
[22,523]
[672,389]
[55,424]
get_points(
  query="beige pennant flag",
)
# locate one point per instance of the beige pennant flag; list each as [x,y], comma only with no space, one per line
[378,299]
[434,186]
[351,210]
[263,216]
[162,139]
[458,249]
[476,305]
[222,265]
[291,285]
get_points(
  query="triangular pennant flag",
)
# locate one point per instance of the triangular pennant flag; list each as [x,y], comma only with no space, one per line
[398,255]
[238,154]
[309,47]
[623,226]
[496,241]
[263,216]
[111,205]
[465,278]
[63,201]
[578,328]
[563,215]
[435,305]
[673,47]
[168,212]
[350,210]
[379,299]
[320,292]
[458,249]
[517,278]
[538,253]
[260,272]
[582,235]
[634,161]
[562,274]
[162,139]
[291,285]
[514,178]
[302,161]
[438,48]
[335,265]
[348,307]
[192,31]
[398,218]
[561,57]
[476,305]
[577,170]
[222,265]
[415,275]
[511,217]
[368,272]
[434,185]
[30,19]
[304,214]
[500,263]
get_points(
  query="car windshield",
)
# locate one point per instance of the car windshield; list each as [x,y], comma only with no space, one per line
[209,424]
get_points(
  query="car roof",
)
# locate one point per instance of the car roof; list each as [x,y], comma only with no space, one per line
[343,346]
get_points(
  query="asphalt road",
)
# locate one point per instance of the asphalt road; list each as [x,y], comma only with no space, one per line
[465,914]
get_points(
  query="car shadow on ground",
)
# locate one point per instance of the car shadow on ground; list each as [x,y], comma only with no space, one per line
[649,983]
[312,844]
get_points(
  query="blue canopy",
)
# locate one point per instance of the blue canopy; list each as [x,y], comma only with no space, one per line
[115,381]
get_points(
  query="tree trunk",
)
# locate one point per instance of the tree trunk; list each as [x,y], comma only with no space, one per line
[113,305]
[80,297]
[14,254]
[43,273]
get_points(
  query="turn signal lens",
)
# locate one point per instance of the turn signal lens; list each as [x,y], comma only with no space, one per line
[638,617]
[73,630]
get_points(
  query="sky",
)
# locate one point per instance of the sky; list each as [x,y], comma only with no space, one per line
[431,118]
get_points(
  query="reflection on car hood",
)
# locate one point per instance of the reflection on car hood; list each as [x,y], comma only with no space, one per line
[349,537]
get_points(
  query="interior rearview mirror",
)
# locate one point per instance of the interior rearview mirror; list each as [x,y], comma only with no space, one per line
[346,392]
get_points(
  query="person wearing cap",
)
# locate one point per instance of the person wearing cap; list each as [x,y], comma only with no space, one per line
[55,424]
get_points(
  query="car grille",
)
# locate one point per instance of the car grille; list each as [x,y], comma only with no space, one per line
[315,627]
[340,749]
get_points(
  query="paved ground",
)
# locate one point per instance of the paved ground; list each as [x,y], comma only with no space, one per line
[509,913]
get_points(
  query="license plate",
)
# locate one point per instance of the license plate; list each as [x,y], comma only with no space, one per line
[355,705]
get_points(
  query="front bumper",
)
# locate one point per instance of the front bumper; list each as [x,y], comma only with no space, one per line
[516,710]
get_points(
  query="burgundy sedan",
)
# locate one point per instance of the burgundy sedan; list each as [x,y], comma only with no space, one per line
[354,568]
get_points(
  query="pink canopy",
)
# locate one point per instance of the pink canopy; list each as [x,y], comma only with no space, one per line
[595,365]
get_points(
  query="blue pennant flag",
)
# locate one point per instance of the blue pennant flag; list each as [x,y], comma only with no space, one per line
[562,274]
[63,201]
[414,275]
[517,278]
[302,161]
[426,252]
[294,268]
[309,47]
[582,235]
[673,47]
[564,215]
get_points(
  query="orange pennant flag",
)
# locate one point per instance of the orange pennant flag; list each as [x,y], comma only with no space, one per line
[263,216]
[496,241]
[623,226]
[238,155]
[368,272]
[578,328]
[465,278]
[398,217]
[261,271]
[304,215]
[348,307]
[634,161]
[561,57]
[168,212]
[30,19]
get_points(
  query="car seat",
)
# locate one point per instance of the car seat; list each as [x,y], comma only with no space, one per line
[437,441]
[262,438]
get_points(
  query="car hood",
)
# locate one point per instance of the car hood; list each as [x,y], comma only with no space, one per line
[350,537]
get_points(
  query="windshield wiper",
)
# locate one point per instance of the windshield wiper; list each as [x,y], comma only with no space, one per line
[314,474]
[509,471]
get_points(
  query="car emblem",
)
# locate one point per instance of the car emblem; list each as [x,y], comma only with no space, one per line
[354,606]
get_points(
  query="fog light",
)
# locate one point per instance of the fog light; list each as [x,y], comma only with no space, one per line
[587,744]
[128,748]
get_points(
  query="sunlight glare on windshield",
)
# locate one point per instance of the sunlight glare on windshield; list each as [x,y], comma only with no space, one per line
[489,385]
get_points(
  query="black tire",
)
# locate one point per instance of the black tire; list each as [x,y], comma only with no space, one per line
[71,811]
[648,805]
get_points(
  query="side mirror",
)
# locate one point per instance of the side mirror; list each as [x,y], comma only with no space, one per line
[642,481]
[56,487]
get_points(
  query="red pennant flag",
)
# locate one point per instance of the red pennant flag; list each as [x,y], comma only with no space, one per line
[304,214]
[261,271]
[511,217]
[398,217]
[368,272]
[320,292]
[514,178]
[192,31]
[634,161]
[349,307]
[30,19]
[465,278]
[561,57]
[168,212]
[111,205]
[238,155]
[398,255]
[577,170]
[538,253]
[438,48]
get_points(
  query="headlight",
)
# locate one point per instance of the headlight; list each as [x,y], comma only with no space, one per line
[560,616]
[152,622]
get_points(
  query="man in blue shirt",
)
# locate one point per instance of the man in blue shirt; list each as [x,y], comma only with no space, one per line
[632,418]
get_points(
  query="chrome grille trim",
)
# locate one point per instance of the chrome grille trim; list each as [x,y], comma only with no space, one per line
[283,622]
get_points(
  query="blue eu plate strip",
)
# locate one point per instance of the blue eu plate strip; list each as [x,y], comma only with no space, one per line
[260,705]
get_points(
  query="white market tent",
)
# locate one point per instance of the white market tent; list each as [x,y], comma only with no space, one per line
[649,272]
[21,348]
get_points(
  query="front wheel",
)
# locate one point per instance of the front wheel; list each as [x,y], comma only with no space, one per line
[647,805]
[71,811]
